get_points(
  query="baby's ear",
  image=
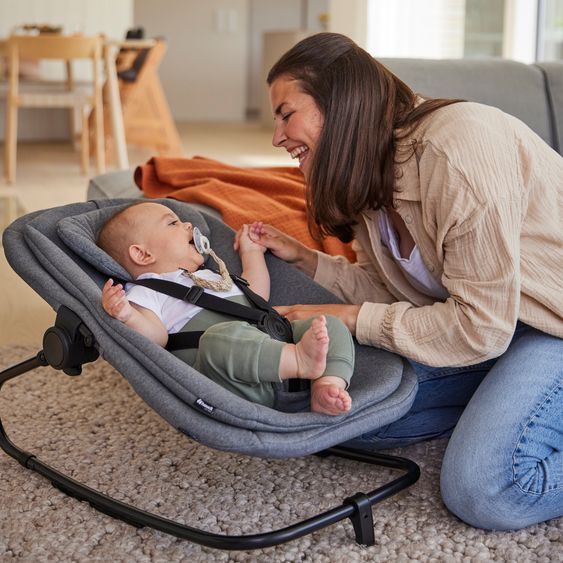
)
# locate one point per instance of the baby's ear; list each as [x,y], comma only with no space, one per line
[140,255]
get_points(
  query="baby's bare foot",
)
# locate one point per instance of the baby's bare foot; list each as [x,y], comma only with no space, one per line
[327,398]
[311,350]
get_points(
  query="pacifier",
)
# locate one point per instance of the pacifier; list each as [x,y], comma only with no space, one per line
[201,242]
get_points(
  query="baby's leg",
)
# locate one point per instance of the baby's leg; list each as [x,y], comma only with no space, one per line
[307,358]
[329,395]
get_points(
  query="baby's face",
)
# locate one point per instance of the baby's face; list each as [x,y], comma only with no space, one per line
[166,237]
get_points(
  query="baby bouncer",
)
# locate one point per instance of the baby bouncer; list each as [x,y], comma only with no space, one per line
[54,251]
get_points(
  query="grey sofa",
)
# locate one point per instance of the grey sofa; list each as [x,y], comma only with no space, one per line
[533,93]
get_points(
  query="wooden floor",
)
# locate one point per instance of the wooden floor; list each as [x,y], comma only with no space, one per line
[48,175]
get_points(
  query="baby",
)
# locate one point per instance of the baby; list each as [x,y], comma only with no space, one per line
[150,241]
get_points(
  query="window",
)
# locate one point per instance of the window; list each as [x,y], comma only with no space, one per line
[523,30]
[550,30]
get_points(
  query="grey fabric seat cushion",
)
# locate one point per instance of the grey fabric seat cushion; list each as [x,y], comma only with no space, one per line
[55,253]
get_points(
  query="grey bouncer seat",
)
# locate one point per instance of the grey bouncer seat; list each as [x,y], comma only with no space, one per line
[54,251]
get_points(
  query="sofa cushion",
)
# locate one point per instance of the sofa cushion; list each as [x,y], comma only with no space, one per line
[516,88]
[113,185]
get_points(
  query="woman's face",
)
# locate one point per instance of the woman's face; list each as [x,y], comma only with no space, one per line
[297,121]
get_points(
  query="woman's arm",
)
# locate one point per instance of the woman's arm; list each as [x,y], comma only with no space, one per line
[348,314]
[353,283]
[283,246]
[144,321]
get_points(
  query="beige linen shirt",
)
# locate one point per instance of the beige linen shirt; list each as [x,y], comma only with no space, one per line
[482,197]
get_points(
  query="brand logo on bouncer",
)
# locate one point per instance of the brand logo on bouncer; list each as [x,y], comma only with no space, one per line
[204,406]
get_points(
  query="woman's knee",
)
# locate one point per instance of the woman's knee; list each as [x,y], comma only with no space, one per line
[503,468]
[486,493]
[469,494]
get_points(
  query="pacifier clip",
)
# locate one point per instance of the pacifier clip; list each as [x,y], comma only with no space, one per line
[202,245]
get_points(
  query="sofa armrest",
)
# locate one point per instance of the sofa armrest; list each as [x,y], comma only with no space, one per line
[553,72]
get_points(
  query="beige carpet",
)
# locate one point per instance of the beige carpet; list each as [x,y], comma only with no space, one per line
[97,429]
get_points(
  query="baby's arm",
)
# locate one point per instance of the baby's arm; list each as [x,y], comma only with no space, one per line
[116,304]
[254,269]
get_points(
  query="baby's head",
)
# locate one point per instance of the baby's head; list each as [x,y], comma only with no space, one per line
[148,237]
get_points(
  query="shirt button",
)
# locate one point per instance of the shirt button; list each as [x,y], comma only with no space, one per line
[408,218]
[431,268]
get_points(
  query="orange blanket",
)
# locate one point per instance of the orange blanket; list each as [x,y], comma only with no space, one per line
[242,195]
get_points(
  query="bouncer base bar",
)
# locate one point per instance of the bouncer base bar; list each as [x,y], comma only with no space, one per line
[357,507]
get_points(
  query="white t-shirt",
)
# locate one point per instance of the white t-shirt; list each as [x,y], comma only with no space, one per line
[173,312]
[413,267]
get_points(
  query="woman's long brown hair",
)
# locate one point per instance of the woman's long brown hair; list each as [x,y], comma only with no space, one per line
[367,110]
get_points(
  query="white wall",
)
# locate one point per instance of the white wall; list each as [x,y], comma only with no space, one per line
[266,15]
[272,15]
[205,68]
[110,17]
[349,18]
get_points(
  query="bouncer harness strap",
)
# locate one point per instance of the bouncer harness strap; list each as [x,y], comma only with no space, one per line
[263,315]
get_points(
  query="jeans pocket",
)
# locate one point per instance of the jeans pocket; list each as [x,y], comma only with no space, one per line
[538,457]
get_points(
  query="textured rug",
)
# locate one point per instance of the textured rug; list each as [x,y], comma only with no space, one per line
[95,428]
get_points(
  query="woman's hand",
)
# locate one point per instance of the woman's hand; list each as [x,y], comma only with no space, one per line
[283,246]
[348,314]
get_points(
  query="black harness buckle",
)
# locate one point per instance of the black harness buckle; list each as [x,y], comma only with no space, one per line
[276,326]
[193,294]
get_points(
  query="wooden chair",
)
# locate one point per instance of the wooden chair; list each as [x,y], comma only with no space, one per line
[55,94]
[147,119]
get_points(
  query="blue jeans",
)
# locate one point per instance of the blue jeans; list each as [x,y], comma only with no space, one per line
[503,466]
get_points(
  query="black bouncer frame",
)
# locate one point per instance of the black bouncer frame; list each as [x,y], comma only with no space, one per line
[69,344]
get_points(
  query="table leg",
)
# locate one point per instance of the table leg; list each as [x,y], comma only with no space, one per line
[118,129]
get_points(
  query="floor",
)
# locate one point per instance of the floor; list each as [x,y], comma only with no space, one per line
[48,175]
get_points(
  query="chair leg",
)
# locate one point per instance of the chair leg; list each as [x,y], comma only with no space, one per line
[75,117]
[85,141]
[73,111]
[99,124]
[10,148]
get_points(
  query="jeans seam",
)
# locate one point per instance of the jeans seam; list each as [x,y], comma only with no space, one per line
[456,371]
[535,415]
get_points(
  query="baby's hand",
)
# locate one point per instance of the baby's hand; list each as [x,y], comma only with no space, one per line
[115,303]
[246,241]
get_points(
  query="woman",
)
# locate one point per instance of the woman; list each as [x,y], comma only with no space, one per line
[456,212]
